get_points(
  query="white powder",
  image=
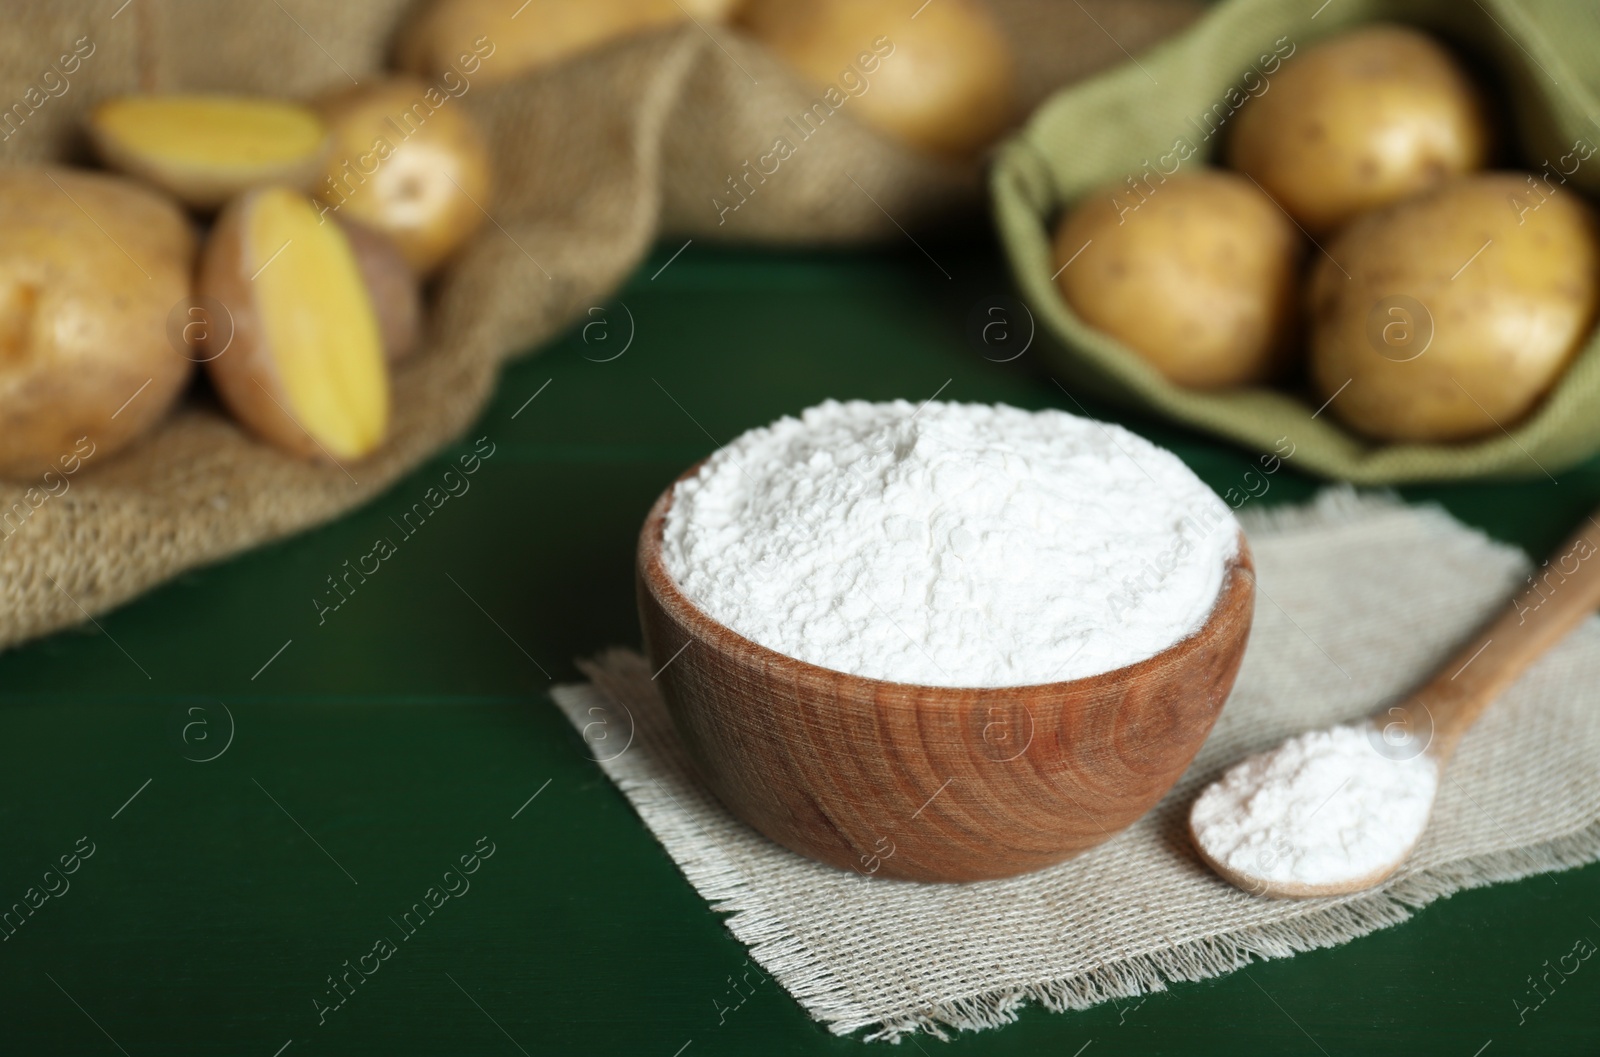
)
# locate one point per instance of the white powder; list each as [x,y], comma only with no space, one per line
[952,545]
[1323,808]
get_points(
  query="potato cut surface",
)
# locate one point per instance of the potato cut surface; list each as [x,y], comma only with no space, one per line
[214,130]
[319,322]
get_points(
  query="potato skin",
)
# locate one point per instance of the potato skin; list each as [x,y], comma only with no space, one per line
[942,82]
[244,372]
[427,188]
[544,33]
[396,294]
[712,9]
[1198,276]
[1508,296]
[1359,121]
[91,266]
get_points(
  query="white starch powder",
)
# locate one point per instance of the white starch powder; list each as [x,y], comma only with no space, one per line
[1323,808]
[952,544]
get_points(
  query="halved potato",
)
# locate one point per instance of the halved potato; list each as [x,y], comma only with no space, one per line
[206,149]
[303,366]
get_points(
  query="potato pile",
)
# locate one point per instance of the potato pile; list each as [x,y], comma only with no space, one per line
[321,220]
[536,34]
[938,77]
[324,221]
[1441,301]
[935,76]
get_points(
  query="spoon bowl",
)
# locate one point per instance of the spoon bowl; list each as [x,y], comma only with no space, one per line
[1274,889]
[932,783]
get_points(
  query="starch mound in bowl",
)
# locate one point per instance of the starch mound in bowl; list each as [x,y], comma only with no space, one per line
[950,545]
[944,642]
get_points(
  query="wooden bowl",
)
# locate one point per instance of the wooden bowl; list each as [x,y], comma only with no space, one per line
[929,783]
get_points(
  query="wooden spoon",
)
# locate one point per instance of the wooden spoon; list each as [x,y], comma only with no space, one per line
[1565,590]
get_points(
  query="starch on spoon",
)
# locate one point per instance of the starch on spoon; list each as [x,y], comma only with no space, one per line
[1328,807]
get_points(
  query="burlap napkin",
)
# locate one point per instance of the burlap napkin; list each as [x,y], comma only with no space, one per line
[1359,599]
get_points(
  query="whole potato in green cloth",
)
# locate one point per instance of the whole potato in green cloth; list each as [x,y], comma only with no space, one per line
[1359,121]
[1450,315]
[1197,273]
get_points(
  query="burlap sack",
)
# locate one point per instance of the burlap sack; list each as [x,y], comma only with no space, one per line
[593,159]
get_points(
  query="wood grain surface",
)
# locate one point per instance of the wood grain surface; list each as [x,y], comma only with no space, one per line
[933,783]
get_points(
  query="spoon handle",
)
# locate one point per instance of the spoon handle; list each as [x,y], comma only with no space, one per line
[1561,592]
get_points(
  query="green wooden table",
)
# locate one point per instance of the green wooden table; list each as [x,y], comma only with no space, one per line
[264,785]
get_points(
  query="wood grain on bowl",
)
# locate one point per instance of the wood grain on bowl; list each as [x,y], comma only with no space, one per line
[932,783]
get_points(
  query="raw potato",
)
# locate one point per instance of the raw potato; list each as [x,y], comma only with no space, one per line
[1196,274]
[396,294]
[302,365]
[1461,309]
[90,268]
[942,82]
[410,162]
[1359,121]
[450,34]
[716,10]
[206,149]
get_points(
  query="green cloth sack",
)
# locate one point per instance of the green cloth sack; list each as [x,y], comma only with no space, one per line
[1112,126]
